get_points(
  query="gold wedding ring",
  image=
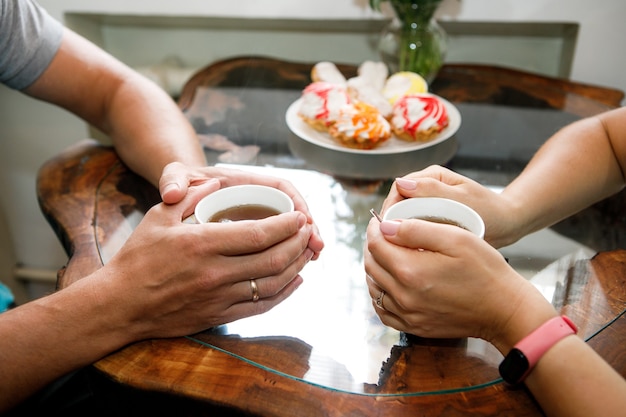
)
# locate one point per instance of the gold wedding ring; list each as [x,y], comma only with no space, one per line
[379,300]
[255,290]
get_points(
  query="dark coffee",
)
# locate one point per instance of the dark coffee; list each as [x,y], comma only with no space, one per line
[442,220]
[243,212]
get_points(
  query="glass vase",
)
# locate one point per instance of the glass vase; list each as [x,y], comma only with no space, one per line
[414,41]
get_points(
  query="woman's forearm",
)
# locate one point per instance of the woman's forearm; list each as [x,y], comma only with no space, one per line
[578,166]
[572,380]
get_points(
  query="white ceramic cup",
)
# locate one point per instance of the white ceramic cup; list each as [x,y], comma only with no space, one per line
[240,195]
[442,208]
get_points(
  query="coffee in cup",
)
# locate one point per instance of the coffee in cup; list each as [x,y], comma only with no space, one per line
[242,202]
[243,212]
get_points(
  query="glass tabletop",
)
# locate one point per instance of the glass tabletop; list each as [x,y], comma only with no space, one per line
[327,333]
[331,315]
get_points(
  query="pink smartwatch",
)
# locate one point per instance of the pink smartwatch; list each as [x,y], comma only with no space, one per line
[526,353]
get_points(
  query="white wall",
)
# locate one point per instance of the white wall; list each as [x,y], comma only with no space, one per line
[600,58]
[34,132]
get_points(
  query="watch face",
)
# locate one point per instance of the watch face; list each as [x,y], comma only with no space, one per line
[514,366]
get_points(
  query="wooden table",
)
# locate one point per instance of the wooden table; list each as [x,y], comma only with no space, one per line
[264,365]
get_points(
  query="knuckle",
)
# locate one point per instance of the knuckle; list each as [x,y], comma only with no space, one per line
[277,261]
[402,302]
[257,235]
[405,274]
[460,239]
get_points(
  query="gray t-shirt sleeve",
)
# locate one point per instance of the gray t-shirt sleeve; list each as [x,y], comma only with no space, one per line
[29,39]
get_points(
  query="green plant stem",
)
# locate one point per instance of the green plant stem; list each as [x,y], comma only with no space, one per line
[418,44]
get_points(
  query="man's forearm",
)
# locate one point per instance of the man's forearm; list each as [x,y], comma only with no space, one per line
[47,338]
[149,131]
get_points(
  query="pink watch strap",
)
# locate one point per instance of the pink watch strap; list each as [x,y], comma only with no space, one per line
[536,344]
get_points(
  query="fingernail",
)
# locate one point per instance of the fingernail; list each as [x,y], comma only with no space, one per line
[170,187]
[299,281]
[406,183]
[389,227]
[302,220]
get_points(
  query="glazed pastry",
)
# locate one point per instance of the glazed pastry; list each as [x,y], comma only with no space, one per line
[403,83]
[327,72]
[321,103]
[360,126]
[419,117]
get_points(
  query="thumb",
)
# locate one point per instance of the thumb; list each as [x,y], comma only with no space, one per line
[185,207]
[434,181]
[426,235]
[173,183]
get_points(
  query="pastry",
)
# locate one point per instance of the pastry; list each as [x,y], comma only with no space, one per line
[368,84]
[373,73]
[368,94]
[403,83]
[360,126]
[321,102]
[327,72]
[419,117]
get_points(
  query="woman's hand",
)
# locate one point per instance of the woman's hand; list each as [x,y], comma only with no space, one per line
[435,181]
[442,281]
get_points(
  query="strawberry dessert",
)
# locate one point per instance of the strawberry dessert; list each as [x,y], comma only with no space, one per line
[321,103]
[419,117]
